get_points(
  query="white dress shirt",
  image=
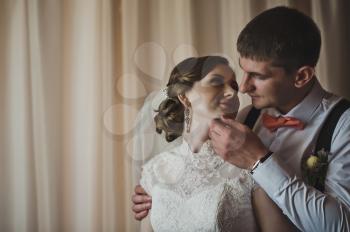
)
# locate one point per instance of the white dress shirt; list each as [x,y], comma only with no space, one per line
[280,175]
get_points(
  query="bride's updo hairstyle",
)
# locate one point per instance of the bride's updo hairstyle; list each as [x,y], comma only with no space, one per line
[170,114]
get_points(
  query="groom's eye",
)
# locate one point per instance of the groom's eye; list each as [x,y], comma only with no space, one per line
[257,76]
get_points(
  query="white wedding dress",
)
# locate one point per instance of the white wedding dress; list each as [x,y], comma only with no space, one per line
[197,192]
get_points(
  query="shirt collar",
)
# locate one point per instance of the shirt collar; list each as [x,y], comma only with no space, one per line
[305,109]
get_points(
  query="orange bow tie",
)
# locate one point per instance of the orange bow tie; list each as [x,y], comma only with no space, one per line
[273,123]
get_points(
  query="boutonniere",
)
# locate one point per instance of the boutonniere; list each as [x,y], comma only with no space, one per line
[314,169]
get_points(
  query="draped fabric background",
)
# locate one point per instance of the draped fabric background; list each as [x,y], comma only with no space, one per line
[73,75]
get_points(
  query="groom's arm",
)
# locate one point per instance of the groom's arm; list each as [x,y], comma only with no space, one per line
[146,225]
[308,208]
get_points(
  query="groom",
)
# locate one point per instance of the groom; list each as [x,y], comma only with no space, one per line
[279,50]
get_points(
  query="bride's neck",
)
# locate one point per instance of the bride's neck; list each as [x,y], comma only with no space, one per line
[198,134]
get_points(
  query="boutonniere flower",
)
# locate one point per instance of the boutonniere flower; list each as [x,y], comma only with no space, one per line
[314,169]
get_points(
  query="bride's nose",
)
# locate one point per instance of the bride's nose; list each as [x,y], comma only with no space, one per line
[229,92]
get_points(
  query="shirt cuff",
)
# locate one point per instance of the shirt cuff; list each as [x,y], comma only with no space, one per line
[270,176]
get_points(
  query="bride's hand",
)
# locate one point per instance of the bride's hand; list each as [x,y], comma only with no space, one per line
[142,203]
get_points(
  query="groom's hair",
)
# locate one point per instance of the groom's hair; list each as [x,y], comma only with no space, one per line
[285,36]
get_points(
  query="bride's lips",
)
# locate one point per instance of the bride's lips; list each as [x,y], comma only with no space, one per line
[230,115]
[227,105]
[227,102]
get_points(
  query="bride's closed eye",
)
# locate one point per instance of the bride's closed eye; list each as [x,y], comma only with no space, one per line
[217,81]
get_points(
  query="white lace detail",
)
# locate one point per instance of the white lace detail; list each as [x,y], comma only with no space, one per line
[197,192]
[200,172]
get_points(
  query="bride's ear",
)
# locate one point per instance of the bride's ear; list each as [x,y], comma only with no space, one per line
[184,100]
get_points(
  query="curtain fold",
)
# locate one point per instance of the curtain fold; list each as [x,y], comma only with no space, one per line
[73,76]
[58,164]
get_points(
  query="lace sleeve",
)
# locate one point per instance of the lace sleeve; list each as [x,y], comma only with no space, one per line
[164,169]
[148,179]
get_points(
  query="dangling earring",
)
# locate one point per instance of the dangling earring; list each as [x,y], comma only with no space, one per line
[188,119]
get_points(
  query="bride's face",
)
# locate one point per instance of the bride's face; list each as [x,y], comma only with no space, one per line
[216,94]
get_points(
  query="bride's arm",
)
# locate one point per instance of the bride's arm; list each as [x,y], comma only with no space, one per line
[269,216]
[146,225]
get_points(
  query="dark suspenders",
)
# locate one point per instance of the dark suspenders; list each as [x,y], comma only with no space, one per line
[324,139]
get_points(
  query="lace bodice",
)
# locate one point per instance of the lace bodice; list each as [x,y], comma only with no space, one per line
[197,192]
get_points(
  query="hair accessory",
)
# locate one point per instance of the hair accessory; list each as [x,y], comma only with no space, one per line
[164,92]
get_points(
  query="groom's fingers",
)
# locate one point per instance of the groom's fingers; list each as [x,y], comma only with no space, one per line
[227,120]
[139,199]
[142,215]
[142,203]
[213,135]
[235,125]
[217,127]
[139,208]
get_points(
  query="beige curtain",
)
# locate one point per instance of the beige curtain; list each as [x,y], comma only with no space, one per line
[61,167]
[73,75]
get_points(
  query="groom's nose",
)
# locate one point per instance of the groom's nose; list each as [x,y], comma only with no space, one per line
[245,85]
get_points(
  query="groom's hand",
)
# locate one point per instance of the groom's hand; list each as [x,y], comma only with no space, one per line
[142,203]
[236,143]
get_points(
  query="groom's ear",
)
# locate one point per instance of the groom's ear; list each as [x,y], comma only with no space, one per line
[184,100]
[303,76]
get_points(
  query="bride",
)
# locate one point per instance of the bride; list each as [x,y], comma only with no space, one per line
[193,189]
